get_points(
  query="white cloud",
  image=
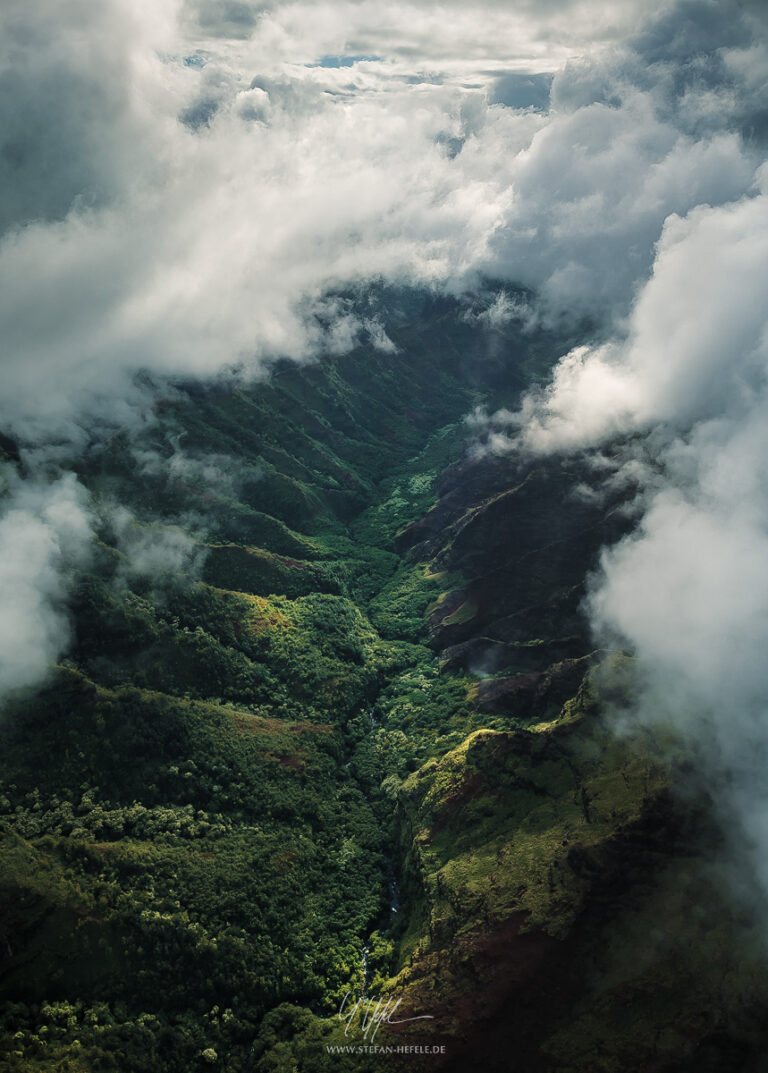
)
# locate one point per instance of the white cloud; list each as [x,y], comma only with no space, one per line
[159,554]
[696,344]
[190,194]
[45,530]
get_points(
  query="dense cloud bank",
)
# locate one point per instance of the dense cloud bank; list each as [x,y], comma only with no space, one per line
[186,184]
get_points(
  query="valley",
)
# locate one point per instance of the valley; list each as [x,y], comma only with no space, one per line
[331,721]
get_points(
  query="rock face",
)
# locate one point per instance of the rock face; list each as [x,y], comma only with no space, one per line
[357,740]
[523,535]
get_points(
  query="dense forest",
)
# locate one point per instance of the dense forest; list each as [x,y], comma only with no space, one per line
[332,721]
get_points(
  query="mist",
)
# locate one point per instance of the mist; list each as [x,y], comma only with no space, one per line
[45,532]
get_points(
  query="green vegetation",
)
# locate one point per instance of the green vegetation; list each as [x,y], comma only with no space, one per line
[280,764]
[195,832]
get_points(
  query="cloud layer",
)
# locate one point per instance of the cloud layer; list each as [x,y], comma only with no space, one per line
[183,201]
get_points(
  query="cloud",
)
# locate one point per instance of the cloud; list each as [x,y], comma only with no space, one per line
[502,307]
[212,471]
[45,531]
[189,187]
[521,90]
[68,116]
[688,592]
[425,33]
[157,554]
[592,192]
[696,347]
[190,196]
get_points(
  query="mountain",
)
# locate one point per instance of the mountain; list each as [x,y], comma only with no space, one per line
[332,721]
